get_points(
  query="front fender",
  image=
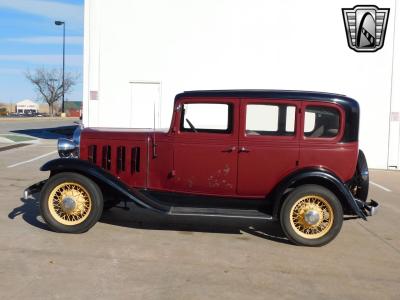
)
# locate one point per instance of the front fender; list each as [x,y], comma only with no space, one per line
[316,176]
[102,177]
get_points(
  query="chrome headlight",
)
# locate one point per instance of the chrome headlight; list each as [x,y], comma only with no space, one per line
[70,148]
[66,148]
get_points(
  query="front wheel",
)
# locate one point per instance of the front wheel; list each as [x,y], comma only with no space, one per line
[71,203]
[311,215]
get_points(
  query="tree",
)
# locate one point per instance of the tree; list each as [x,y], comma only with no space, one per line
[3,111]
[48,84]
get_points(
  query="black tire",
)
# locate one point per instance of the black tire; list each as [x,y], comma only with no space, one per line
[95,198]
[362,177]
[325,198]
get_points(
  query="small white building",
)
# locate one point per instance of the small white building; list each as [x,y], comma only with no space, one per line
[26,107]
[139,54]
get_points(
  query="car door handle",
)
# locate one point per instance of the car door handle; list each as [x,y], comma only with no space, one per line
[231,149]
[244,149]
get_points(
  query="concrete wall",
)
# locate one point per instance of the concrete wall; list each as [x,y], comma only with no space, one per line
[221,44]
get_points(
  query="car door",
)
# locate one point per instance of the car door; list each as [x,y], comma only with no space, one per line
[205,147]
[268,144]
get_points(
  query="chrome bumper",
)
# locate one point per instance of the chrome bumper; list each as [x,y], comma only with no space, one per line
[369,208]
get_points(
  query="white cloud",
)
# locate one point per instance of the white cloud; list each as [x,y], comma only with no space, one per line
[47,40]
[72,14]
[74,60]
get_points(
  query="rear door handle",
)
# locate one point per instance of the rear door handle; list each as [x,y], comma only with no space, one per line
[244,149]
[231,149]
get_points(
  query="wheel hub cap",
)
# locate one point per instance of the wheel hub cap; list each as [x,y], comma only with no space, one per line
[311,217]
[68,204]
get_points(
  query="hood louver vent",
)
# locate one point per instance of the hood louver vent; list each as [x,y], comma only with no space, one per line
[120,159]
[126,159]
[135,160]
[106,157]
[92,154]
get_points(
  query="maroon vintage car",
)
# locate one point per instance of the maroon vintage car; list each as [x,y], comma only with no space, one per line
[276,155]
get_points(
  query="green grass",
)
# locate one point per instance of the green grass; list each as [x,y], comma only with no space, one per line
[17,138]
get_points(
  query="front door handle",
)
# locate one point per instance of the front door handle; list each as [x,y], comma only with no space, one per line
[244,149]
[230,149]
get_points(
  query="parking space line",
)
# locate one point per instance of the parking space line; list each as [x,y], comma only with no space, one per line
[31,160]
[380,186]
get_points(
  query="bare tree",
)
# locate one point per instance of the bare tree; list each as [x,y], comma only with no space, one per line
[48,84]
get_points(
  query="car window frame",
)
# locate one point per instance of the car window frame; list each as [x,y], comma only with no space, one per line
[342,120]
[269,101]
[228,130]
[233,118]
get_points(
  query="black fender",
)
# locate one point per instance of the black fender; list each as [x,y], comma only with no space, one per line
[361,177]
[315,176]
[103,178]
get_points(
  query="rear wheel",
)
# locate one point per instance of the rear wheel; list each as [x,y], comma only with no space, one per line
[71,203]
[311,215]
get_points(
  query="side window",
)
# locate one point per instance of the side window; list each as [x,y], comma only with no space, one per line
[321,122]
[270,119]
[206,117]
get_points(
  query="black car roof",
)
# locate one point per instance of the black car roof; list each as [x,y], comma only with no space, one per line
[275,94]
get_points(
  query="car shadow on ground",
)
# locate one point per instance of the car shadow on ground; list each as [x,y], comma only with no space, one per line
[138,218]
[29,212]
[48,133]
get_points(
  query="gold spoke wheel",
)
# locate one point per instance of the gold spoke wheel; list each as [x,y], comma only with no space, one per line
[69,203]
[311,217]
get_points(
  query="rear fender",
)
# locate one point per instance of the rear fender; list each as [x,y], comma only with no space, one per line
[315,176]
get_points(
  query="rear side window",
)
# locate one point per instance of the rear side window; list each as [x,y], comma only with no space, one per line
[270,119]
[207,117]
[321,122]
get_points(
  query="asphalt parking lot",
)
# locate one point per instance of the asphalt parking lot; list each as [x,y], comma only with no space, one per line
[139,255]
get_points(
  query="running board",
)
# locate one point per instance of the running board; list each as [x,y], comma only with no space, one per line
[199,211]
[219,212]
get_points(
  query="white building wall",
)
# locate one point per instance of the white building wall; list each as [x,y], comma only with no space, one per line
[26,105]
[235,44]
[394,139]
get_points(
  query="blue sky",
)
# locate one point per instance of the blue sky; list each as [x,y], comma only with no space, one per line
[29,39]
